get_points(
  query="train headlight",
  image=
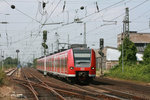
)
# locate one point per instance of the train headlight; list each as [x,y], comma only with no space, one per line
[92,68]
[71,68]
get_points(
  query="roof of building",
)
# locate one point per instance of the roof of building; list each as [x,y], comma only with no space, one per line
[139,37]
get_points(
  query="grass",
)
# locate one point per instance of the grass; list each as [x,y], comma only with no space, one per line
[133,72]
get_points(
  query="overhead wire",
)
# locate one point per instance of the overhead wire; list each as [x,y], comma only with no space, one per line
[119,15]
[89,14]
[93,13]
[23,13]
[131,9]
[51,13]
[36,36]
[87,32]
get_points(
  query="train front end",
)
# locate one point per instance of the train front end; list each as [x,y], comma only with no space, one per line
[84,64]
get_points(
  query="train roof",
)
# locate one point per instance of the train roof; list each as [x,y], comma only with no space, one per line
[82,49]
[63,50]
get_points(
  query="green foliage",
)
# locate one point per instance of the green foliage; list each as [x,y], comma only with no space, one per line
[35,63]
[146,55]
[132,72]
[29,64]
[2,77]
[129,52]
[10,62]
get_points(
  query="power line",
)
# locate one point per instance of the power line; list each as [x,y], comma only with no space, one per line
[120,15]
[23,13]
[51,13]
[131,9]
[93,13]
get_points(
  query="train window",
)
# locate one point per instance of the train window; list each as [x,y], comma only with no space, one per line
[82,58]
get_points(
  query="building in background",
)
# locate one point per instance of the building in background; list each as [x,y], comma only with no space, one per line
[139,39]
[111,58]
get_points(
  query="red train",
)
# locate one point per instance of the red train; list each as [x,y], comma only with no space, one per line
[78,64]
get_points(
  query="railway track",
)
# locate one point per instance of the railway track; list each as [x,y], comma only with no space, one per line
[67,91]
[110,92]
[39,90]
[76,92]
[10,72]
[34,84]
[48,88]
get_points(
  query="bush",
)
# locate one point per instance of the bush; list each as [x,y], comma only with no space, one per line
[129,52]
[2,77]
[133,72]
[146,56]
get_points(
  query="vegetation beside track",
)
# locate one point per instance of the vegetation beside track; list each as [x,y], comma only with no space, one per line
[2,77]
[132,70]
[4,65]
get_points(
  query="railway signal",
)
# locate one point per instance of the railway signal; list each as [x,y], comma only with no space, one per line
[44,41]
[44,35]
[101,43]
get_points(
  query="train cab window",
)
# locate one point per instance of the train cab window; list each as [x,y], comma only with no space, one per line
[82,58]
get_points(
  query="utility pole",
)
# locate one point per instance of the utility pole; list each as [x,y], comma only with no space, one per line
[33,57]
[126,24]
[17,51]
[125,33]
[149,22]
[45,47]
[52,47]
[68,41]
[84,33]
[2,55]
[57,41]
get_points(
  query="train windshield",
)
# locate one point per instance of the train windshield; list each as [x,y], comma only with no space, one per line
[82,58]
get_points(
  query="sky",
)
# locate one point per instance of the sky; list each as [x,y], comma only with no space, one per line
[103,18]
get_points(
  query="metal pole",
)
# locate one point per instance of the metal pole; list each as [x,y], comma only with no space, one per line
[45,73]
[17,57]
[149,22]
[101,65]
[52,47]
[84,33]
[2,59]
[122,38]
[122,56]
[68,40]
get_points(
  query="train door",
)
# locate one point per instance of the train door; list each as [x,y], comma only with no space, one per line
[54,64]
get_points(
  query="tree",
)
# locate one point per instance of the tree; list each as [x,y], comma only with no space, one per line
[146,55]
[35,63]
[10,62]
[29,64]
[129,52]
